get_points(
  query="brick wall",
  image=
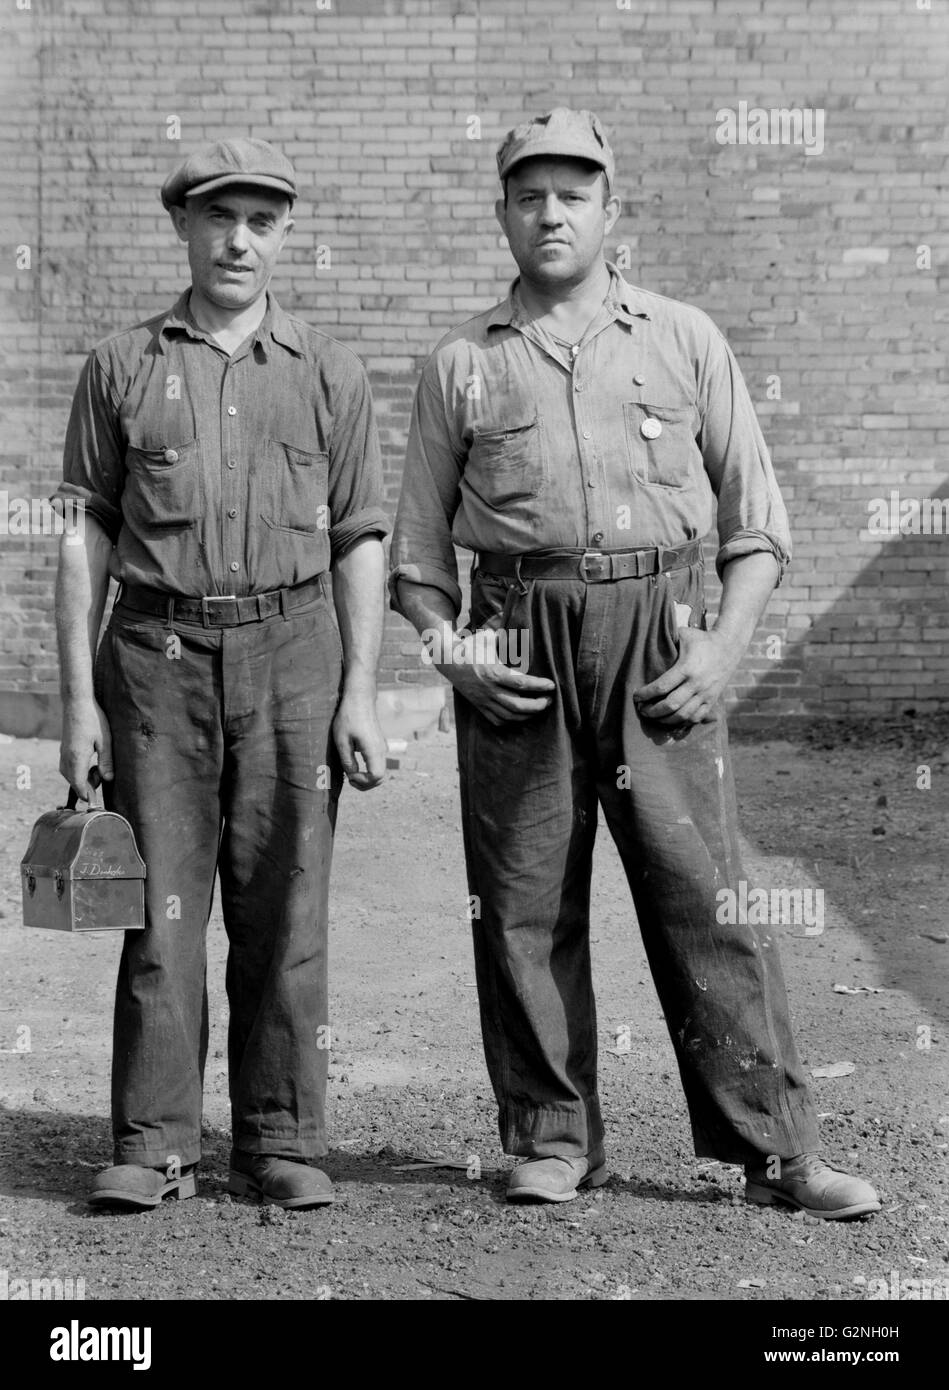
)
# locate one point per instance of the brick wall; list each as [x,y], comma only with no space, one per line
[825,270]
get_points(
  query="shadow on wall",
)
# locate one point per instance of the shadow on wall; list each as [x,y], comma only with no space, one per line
[888,628]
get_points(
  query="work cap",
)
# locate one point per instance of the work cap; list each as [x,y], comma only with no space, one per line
[229,161]
[569,134]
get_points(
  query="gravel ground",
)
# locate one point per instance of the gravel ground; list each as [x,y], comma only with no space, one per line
[408,1085]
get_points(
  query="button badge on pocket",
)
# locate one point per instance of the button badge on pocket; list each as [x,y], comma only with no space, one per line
[650,428]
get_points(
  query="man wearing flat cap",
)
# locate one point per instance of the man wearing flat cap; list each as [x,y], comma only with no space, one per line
[226,462]
[582,438]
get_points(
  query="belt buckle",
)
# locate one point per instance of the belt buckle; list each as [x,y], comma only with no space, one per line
[214,598]
[600,566]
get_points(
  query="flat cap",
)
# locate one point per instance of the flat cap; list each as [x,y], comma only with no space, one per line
[562,132]
[229,161]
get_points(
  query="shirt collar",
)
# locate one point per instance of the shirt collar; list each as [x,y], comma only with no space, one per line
[282,328]
[275,325]
[624,301]
[628,302]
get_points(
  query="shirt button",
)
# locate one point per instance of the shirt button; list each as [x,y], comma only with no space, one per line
[588,434]
[639,380]
[232,463]
[591,482]
[578,386]
[232,410]
[650,428]
[597,537]
[234,566]
[171,455]
[232,512]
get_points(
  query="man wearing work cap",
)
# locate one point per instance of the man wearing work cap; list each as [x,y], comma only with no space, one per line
[582,438]
[226,461]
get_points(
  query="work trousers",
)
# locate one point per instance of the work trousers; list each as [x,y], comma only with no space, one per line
[224,764]
[530,793]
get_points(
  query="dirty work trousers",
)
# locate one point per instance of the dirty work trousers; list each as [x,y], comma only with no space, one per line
[224,764]
[529,806]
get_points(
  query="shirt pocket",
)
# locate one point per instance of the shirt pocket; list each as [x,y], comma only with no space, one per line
[161,486]
[508,465]
[665,455]
[296,499]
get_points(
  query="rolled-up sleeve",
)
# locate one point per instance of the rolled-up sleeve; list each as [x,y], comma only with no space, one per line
[355,467]
[93,456]
[751,511]
[423,551]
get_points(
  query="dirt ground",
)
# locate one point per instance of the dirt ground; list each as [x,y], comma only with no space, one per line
[843,811]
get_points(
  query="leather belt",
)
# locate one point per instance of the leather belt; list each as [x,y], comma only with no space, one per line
[592,566]
[218,610]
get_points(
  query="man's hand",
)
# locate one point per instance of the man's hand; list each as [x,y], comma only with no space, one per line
[688,691]
[356,731]
[501,693]
[86,741]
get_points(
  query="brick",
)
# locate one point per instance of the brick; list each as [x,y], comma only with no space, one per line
[806,263]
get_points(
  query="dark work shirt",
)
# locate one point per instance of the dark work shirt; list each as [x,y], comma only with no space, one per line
[642,435]
[224,475]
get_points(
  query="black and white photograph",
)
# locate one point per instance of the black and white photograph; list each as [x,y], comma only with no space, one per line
[474,666]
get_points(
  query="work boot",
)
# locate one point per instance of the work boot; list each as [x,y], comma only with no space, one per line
[556,1179]
[279,1182]
[811,1185]
[139,1188]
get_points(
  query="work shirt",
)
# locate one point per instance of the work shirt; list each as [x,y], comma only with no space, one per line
[642,435]
[224,475]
